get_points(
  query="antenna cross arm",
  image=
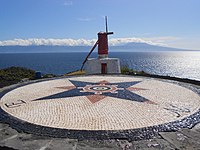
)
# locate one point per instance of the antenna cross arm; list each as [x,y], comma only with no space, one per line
[109,33]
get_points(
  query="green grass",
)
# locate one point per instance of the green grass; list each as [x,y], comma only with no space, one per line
[14,75]
[78,72]
[127,71]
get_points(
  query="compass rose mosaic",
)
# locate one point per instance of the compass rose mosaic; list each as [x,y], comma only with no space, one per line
[100,105]
[100,90]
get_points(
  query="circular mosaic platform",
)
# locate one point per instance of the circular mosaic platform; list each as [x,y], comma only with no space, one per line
[100,103]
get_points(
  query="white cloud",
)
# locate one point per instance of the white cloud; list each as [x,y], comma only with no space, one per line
[58,42]
[81,42]
[68,3]
[85,19]
[121,41]
[164,39]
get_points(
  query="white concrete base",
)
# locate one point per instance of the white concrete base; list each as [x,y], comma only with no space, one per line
[94,66]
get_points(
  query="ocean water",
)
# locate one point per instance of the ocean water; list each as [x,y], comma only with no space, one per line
[182,64]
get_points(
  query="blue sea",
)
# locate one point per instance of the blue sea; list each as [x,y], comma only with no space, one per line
[184,64]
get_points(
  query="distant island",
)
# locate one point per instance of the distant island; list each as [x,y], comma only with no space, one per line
[129,47]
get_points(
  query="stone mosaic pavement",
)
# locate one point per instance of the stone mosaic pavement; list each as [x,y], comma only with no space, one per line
[101,106]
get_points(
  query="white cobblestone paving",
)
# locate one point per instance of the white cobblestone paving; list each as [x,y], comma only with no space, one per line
[110,113]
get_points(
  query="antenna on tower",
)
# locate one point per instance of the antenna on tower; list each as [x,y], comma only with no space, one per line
[106,24]
[106,19]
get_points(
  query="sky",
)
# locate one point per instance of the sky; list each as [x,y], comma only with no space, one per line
[172,23]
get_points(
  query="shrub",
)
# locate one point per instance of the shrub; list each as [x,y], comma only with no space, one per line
[14,75]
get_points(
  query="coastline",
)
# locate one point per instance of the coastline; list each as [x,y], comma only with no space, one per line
[185,80]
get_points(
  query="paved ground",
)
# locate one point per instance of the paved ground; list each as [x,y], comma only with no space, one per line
[121,108]
[184,139]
